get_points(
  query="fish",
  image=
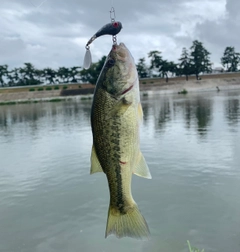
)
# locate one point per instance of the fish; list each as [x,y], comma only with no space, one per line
[116,115]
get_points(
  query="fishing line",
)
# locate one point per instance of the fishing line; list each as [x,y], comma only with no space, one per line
[112,3]
[39,5]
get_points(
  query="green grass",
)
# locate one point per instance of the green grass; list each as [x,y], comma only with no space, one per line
[24,102]
[193,249]
[40,89]
[184,91]
[56,87]
[11,103]
[48,88]
[86,98]
[8,103]
[56,100]
[29,101]
[31,89]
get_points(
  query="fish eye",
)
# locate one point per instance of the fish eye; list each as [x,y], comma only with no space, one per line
[111,62]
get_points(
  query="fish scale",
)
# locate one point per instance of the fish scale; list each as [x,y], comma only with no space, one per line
[108,145]
[115,118]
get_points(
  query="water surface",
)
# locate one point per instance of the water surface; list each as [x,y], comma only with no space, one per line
[49,202]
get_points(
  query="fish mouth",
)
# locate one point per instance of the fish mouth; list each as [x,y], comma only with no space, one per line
[119,46]
[120,51]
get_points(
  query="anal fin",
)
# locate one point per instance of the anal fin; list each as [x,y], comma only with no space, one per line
[142,169]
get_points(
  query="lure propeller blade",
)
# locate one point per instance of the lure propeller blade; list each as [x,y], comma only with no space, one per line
[87,59]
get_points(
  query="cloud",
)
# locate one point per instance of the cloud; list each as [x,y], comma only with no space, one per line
[222,32]
[54,33]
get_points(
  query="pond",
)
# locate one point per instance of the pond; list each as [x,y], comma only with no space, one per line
[49,202]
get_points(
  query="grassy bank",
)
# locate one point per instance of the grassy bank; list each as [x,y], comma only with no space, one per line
[42,88]
[30,101]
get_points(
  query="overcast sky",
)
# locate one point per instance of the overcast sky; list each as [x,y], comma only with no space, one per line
[53,33]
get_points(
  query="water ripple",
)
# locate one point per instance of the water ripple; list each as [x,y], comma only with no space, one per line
[190,143]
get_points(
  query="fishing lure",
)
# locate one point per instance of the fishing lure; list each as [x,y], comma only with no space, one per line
[108,29]
[112,28]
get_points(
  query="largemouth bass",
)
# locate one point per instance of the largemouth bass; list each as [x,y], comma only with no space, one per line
[115,119]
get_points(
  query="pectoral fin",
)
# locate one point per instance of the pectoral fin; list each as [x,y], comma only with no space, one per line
[142,169]
[119,109]
[95,164]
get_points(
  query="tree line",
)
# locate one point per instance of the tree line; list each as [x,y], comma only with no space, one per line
[193,61]
[29,75]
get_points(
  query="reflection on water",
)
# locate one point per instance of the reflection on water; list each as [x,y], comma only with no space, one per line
[196,112]
[49,202]
[33,112]
[232,110]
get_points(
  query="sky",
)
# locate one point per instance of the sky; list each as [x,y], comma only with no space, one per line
[53,33]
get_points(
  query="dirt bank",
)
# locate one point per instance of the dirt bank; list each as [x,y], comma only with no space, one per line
[205,84]
[24,93]
[174,85]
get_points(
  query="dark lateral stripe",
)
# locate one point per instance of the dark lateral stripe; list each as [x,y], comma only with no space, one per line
[120,202]
[117,170]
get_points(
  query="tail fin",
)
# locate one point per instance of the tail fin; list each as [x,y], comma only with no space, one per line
[130,224]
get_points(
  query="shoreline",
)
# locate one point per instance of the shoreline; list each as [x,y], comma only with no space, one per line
[81,91]
[195,86]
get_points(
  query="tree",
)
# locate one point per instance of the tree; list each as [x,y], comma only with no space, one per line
[143,71]
[64,74]
[39,74]
[185,65]
[164,69]
[159,65]
[172,68]
[156,60]
[28,75]
[74,73]
[230,59]
[13,77]
[49,75]
[199,59]
[3,73]
[91,75]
